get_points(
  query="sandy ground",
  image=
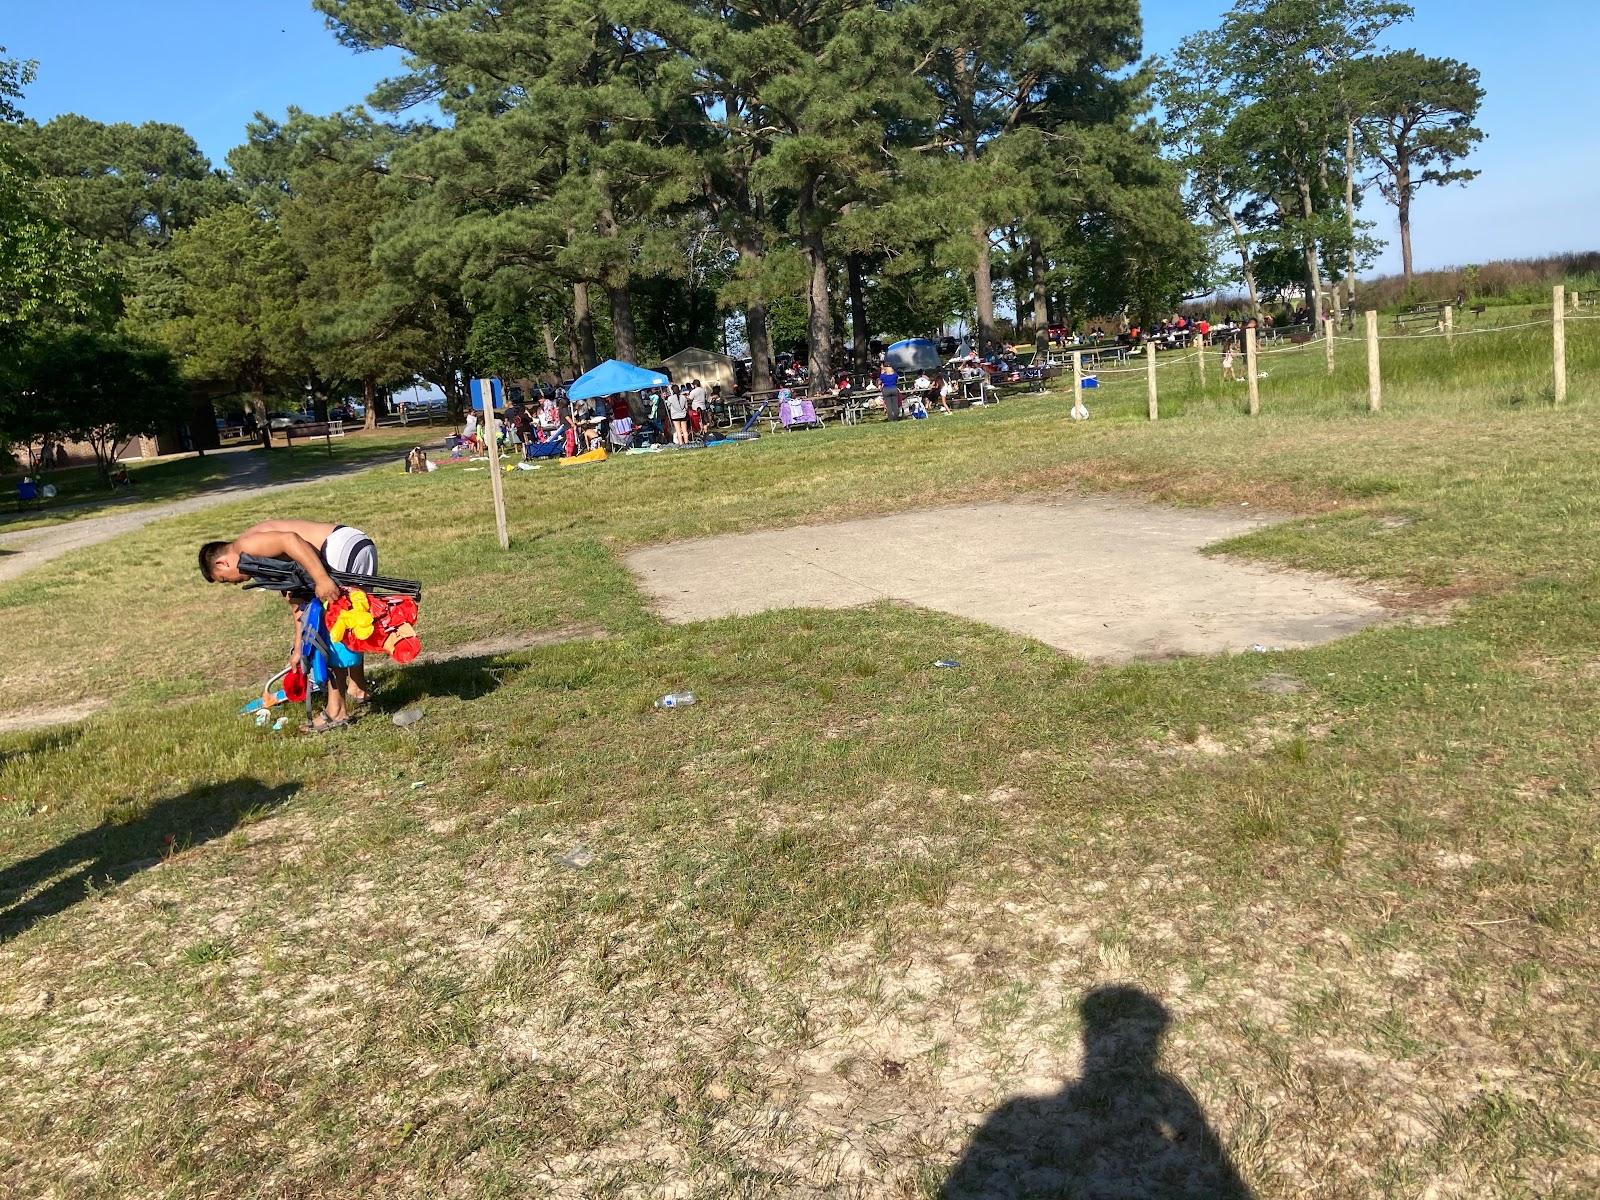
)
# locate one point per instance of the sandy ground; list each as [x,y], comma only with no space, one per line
[1100,579]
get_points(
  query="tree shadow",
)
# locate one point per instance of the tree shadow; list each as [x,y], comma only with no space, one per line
[124,844]
[1126,1128]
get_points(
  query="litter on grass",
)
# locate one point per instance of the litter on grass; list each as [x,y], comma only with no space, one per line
[579,857]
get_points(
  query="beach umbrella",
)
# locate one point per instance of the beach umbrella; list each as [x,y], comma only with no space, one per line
[611,377]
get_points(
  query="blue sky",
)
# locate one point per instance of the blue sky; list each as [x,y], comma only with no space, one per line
[208,65]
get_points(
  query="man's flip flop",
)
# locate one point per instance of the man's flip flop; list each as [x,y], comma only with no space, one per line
[326,726]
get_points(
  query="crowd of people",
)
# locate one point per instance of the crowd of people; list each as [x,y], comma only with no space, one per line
[556,426]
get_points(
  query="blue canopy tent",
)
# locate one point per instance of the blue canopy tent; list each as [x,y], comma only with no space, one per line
[913,354]
[611,377]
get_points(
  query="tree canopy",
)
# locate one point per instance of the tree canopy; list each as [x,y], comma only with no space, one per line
[619,178]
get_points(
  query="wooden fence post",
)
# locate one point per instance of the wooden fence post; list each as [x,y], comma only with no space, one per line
[1150,377]
[1558,311]
[1077,380]
[491,432]
[1200,344]
[1250,370]
[1327,337]
[1374,370]
[1450,325]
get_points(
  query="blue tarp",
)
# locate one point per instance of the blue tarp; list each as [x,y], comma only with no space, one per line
[611,377]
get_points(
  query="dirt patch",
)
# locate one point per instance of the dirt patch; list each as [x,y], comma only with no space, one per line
[44,718]
[512,642]
[1099,579]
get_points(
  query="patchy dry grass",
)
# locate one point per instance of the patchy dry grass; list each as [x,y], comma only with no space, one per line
[845,920]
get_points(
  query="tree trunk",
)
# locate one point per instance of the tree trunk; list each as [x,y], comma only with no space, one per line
[983,288]
[819,325]
[550,354]
[583,326]
[1247,267]
[860,333]
[623,343]
[755,333]
[1350,213]
[258,405]
[1402,196]
[569,338]
[627,348]
[455,396]
[1041,299]
[1313,265]
[369,398]
[755,320]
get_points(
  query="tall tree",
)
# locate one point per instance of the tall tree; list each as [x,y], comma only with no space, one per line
[326,181]
[552,105]
[1220,186]
[101,388]
[1286,62]
[1418,125]
[128,186]
[1000,67]
[819,90]
[45,270]
[239,320]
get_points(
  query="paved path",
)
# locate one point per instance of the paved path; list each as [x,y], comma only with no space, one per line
[247,476]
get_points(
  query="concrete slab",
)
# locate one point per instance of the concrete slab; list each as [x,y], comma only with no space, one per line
[1099,579]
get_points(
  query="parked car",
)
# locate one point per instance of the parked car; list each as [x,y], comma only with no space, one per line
[284,420]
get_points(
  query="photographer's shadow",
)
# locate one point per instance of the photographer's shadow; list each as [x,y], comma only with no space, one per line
[1126,1128]
[113,851]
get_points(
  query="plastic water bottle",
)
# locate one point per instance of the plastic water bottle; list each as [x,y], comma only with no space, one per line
[676,700]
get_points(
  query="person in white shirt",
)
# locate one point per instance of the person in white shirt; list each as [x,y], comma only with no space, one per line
[697,407]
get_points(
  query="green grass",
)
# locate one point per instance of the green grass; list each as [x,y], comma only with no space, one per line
[848,904]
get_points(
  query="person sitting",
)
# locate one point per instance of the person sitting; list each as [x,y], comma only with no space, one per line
[120,478]
[417,462]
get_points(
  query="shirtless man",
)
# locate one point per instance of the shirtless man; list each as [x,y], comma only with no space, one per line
[319,548]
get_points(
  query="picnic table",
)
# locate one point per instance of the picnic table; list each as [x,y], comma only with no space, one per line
[1420,314]
[326,430]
